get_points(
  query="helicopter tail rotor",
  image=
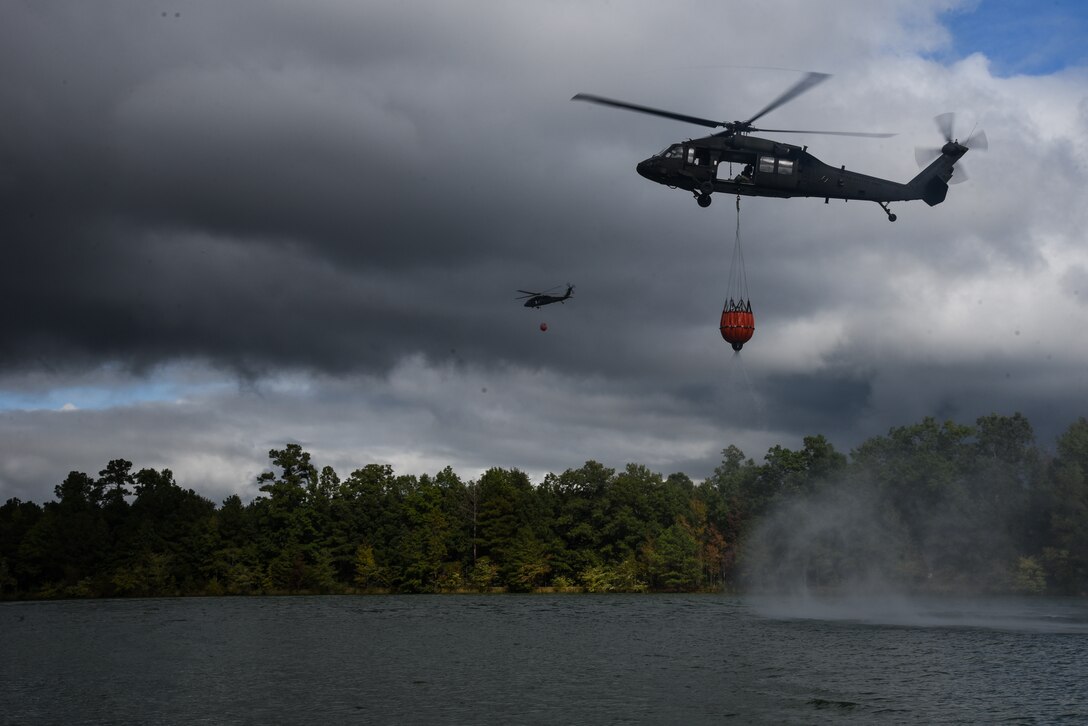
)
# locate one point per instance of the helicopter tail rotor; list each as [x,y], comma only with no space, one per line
[978,141]
[946,122]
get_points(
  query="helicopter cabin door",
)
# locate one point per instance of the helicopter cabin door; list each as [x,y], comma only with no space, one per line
[699,162]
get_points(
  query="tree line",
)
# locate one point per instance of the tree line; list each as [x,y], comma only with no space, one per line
[930,506]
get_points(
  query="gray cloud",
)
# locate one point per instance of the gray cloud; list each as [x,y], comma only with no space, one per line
[348,196]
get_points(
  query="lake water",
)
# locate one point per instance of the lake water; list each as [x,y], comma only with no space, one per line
[547,659]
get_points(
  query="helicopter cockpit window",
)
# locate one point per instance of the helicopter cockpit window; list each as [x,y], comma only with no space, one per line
[766,164]
[785,166]
[673,152]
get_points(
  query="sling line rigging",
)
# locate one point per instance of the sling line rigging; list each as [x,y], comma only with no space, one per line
[738,323]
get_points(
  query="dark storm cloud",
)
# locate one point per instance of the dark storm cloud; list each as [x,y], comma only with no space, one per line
[313,202]
[222,160]
[810,401]
[134,195]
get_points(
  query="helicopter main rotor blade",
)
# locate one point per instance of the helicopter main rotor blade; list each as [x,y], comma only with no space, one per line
[945,122]
[925,155]
[646,109]
[864,134]
[811,79]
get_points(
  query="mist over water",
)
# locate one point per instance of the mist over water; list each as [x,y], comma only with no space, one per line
[836,541]
[1022,614]
[839,553]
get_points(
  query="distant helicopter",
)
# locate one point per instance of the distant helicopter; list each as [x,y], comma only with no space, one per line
[774,169]
[536,299]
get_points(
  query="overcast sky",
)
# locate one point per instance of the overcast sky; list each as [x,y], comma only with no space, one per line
[231,226]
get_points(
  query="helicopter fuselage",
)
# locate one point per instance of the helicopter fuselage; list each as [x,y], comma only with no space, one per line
[538,299]
[743,164]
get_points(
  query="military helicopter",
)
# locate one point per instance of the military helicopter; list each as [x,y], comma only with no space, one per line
[774,169]
[536,299]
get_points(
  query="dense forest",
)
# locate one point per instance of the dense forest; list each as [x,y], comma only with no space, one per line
[937,507]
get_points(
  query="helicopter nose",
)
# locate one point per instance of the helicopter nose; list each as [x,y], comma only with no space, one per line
[643,168]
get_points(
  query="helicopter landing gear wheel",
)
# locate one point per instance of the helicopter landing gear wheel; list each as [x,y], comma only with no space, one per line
[703,200]
[884,206]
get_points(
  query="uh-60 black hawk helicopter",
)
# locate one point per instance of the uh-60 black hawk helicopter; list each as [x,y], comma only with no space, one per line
[775,169]
[538,299]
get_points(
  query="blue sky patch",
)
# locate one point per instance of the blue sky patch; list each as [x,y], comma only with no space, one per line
[101,397]
[1021,37]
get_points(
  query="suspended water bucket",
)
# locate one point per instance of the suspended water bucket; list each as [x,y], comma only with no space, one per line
[738,323]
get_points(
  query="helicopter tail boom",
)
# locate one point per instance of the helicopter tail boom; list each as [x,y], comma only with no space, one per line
[931,188]
[931,184]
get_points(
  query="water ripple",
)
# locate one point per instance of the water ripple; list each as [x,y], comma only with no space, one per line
[538,659]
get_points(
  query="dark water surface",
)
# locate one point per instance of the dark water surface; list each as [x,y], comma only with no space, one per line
[500,659]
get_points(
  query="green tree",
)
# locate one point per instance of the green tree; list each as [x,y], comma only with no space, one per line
[78,492]
[1068,555]
[1029,577]
[69,545]
[789,473]
[679,557]
[630,517]
[455,504]
[597,578]
[17,518]
[922,473]
[322,575]
[576,501]
[286,521]
[367,510]
[115,483]
[8,582]
[527,562]
[287,571]
[422,548]
[483,574]
[235,559]
[145,576]
[368,574]
[1004,508]
[507,504]
[167,529]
